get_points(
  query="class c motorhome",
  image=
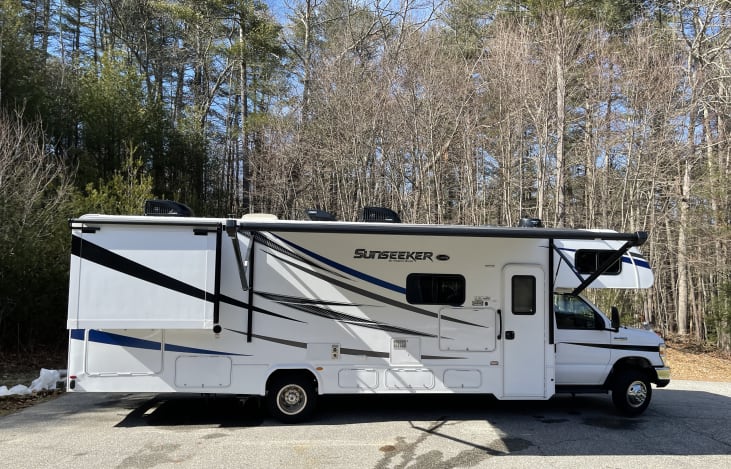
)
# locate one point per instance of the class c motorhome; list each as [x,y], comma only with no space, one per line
[291,310]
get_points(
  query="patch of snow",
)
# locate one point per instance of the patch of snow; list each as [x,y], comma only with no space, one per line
[45,382]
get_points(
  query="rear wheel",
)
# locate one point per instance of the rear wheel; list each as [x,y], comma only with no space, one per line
[631,392]
[291,398]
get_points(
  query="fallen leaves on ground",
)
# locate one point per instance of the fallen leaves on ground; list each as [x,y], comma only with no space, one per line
[14,403]
[690,364]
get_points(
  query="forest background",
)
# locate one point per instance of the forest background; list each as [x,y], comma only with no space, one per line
[584,113]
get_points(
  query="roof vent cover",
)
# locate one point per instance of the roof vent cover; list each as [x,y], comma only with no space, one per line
[526,222]
[167,208]
[320,215]
[379,215]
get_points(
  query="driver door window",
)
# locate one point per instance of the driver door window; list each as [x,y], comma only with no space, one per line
[573,313]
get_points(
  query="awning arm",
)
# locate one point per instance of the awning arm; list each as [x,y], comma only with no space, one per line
[240,263]
[568,263]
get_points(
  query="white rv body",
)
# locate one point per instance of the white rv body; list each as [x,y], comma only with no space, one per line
[160,304]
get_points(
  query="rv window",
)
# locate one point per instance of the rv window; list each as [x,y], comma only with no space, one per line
[587,261]
[524,294]
[574,313]
[435,289]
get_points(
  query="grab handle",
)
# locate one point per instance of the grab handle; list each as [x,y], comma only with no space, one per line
[500,318]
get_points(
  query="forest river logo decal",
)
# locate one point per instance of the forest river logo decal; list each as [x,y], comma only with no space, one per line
[399,256]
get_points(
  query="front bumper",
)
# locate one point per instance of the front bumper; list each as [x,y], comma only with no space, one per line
[663,376]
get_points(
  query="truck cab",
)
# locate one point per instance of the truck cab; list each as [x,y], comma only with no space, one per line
[595,354]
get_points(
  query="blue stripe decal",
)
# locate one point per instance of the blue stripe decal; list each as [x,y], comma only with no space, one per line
[637,262]
[122,340]
[625,259]
[348,270]
[119,340]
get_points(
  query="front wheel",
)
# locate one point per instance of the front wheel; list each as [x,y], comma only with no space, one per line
[631,392]
[291,399]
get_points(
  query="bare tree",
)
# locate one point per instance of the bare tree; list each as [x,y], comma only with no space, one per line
[33,187]
[33,183]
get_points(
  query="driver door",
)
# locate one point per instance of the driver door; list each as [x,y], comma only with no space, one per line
[582,342]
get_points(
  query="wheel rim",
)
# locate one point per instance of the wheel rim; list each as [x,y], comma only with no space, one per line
[636,393]
[291,399]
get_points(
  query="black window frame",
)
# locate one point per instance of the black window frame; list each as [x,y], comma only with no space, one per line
[596,257]
[514,299]
[416,284]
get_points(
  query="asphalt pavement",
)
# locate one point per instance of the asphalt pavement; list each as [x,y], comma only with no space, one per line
[687,424]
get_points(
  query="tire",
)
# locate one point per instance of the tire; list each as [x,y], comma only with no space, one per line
[631,392]
[291,398]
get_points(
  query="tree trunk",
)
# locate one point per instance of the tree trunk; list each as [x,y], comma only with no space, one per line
[682,296]
[560,194]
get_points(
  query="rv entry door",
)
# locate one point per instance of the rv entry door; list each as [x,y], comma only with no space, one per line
[524,332]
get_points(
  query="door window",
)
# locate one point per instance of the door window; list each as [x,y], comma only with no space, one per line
[572,312]
[524,294]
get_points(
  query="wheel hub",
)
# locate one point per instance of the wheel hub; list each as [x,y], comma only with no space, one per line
[636,394]
[291,399]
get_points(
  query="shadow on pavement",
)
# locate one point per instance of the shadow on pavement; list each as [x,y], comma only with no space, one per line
[678,422]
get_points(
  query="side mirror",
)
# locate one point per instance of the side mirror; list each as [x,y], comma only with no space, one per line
[615,318]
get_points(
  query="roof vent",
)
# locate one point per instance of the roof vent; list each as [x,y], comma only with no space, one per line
[530,223]
[167,208]
[320,215]
[379,215]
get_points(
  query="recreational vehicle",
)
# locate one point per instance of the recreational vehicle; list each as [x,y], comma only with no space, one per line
[292,310]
